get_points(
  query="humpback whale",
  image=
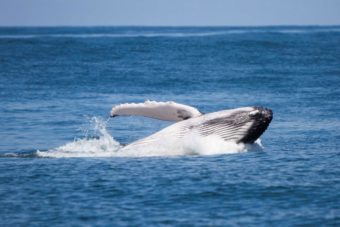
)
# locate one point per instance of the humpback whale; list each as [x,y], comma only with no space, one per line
[240,125]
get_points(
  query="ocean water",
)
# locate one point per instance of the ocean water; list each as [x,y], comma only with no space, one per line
[61,161]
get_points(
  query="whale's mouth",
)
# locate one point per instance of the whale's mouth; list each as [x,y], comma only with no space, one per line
[261,118]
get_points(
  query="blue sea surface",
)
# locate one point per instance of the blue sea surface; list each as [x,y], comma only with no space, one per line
[58,84]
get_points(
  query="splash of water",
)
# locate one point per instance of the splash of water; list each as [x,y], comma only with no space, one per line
[104,145]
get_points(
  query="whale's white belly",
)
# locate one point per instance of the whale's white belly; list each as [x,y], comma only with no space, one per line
[229,125]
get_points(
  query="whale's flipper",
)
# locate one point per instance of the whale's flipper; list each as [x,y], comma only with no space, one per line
[167,111]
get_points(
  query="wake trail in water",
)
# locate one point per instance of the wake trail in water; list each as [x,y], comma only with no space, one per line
[104,145]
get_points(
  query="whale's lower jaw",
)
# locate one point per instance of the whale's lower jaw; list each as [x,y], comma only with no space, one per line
[263,118]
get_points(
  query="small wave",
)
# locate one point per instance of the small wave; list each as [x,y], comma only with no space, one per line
[30,154]
[172,34]
[303,31]
[119,35]
[106,146]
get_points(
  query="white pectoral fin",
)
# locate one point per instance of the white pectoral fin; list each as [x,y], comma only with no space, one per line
[167,111]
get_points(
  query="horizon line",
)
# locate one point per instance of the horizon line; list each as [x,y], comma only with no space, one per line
[231,26]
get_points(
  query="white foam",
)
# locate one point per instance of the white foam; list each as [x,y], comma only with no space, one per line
[106,146]
[103,146]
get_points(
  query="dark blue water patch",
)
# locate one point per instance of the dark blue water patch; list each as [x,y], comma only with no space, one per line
[195,190]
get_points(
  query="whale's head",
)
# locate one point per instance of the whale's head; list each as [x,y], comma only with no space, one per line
[260,118]
[243,125]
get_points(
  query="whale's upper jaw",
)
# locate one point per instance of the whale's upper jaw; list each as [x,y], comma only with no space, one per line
[261,118]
